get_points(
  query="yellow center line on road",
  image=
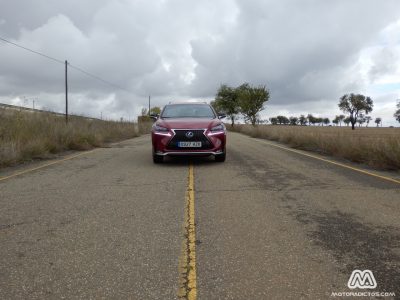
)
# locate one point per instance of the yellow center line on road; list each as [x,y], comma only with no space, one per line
[334,162]
[187,260]
[45,165]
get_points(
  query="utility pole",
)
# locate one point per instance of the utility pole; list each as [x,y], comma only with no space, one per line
[149,105]
[33,104]
[66,92]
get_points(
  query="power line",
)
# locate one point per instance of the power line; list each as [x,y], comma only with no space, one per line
[63,62]
[33,51]
[98,78]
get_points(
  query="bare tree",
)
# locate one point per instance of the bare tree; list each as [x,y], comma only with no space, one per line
[367,119]
[144,112]
[360,120]
[341,119]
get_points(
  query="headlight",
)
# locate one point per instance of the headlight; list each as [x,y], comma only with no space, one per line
[217,128]
[158,128]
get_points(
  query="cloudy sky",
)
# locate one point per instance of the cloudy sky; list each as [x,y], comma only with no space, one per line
[307,52]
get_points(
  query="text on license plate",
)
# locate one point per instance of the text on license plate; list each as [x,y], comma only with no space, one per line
[189,144]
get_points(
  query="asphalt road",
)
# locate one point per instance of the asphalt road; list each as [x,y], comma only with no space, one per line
[269,224]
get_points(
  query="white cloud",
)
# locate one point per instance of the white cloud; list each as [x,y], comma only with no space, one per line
[307,52]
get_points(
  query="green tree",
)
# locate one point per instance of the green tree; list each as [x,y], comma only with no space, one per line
[155,110]
[336,120]
[251,101]
[346,121]
[303,120]
[397,113]
[311,119]
[293,120]
[213,103]
[227,101]
[354,104]
[378,121]
[326,121]
[282,120]
[273,120]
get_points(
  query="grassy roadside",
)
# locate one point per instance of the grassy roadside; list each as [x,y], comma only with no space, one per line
[376,147]
[27,135]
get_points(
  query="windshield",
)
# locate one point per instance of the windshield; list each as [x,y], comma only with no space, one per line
[188,111]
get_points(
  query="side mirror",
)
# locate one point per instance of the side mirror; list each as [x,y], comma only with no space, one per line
[221,116]
[154,116]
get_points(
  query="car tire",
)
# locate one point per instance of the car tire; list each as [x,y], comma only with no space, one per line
[158,159]
[220,157]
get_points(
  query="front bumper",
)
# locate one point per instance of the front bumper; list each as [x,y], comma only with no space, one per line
[188,153]
[162,144]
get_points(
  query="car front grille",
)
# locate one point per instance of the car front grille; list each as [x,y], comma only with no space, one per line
[198,136]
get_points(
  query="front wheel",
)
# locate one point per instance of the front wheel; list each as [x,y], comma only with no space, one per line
[220,157]
[158,159]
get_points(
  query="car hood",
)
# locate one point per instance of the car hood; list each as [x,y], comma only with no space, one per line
[188,123]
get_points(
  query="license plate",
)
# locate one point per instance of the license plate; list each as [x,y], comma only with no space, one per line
[189,144]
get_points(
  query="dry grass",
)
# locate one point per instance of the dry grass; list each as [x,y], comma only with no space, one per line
[144,124]
[376,147]
[27,135]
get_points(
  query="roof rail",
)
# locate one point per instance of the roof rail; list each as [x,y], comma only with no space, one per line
[188,102]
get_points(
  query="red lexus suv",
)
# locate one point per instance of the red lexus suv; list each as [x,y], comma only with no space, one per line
[188,129]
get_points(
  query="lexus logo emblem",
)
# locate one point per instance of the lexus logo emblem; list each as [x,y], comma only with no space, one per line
[189,134]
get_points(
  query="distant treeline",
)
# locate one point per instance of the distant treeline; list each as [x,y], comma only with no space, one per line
[318,121]
[248,101]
